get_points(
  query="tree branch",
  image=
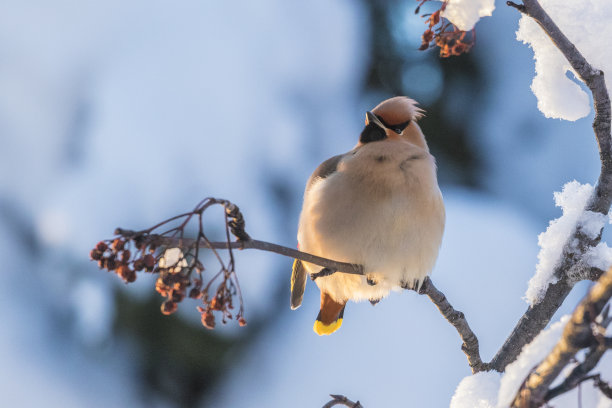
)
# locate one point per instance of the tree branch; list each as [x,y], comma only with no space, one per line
[579,374]
[577,334]
[470,342]
[342,400]
[250,244]
[538,316]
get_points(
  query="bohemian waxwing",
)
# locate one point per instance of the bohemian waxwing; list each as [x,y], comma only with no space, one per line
[378,205]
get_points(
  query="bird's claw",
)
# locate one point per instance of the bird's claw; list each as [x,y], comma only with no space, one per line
[321,273]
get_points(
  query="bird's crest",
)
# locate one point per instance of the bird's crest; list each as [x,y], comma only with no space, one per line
[399,109]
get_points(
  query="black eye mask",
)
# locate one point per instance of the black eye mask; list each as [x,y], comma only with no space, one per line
[372,133]
[399,128]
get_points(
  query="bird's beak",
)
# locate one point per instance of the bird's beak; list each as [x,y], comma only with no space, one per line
[371,118]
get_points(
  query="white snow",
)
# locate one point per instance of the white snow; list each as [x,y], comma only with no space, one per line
[572,201]
[587,24]
[466,13]
[477,391]
[531,355]
[600,256]
[173,257]
[488,390]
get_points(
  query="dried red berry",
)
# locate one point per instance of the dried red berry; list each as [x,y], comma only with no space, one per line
[111,264]
[101,246]
[131,276]
[138,264]
[95,254]
[216,304]
[435,18]
[118,244]
[162,288]
[168,307]
[242,322]
[126,273]
[195,293]
[177,295]
[149,261]
[125,255]
[208,320]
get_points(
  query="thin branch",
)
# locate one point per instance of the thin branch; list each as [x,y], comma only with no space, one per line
[603,386]
[519,7]
[538,316]
[470,342]
[578,374]
[342,400]
[593,274]
[577,334]
[336,266]
[235,223]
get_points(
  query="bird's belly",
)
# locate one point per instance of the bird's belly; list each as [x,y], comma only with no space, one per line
[395,236]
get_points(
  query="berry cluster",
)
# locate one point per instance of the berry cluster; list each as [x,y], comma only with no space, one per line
[116,256]
[176,261]
[222,302]
[444,34]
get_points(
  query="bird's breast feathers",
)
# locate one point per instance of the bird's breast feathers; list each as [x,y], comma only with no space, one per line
[381,208]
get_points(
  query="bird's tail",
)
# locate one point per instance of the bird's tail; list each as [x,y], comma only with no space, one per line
[330,316]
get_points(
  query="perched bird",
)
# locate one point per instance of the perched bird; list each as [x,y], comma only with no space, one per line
[378,205]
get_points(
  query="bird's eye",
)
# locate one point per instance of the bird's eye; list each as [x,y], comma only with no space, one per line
[400,127]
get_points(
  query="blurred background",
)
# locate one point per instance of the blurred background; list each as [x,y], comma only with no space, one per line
[118,113]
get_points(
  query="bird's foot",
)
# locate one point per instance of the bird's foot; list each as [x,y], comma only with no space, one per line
[415,285]
[409,285]
[321,273]
[373,302]
[371,281]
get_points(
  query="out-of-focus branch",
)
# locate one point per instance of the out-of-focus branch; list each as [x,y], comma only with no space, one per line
[578,374]
[577,334]
[470,342]
[342,400]
[538,316]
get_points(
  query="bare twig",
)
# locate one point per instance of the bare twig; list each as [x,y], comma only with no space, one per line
[251,244]
[577,334]
[342,400]
[578,374]
[603,386]
[537,316]
[470,342]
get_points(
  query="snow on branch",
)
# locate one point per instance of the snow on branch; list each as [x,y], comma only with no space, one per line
[571,266]
[582,331]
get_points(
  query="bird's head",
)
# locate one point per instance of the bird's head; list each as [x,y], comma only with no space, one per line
[393,119]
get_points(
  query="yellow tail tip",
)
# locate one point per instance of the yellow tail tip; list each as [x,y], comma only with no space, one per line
[323,329]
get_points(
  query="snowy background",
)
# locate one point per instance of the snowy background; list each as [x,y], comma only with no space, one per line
[123,114]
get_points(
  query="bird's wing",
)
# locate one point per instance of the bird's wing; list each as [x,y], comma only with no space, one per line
[298,284]
[325,169]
